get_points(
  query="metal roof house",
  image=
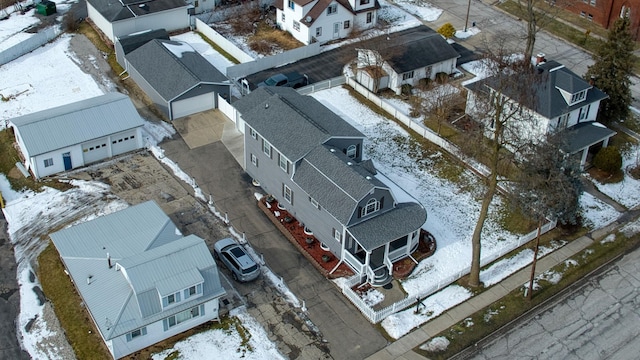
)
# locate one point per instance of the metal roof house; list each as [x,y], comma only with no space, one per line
[311,161]
[564,102]
[411,57]
[324,20]
[139,279]
[77,134]
[176,77]
[123,17]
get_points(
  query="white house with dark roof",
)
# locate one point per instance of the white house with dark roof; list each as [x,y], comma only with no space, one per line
[312,162]
[140,280]
[176,77]
[77,134]
[124,17]
[412,57]
[325,20]
[564,102]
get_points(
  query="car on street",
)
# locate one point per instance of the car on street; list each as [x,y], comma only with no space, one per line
[235,258]
[293,79]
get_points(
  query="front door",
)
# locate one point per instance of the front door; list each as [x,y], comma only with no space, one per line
[66,158]
[336,30]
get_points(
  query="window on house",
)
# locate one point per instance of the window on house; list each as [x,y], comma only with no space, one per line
[266,148]
[137,333]
[192,291]
[369,17]
[48,162]
[332,9]
[590,17]
[291,4]
[337,235]
[253,133]
[578,96]
[314,203]
[583,14]
[407,75]
[593,2]
[284,164]
[347,23]
[183,316]
[288,194]
[254,160]
[624,11]
[364,2]
[352,151]
[372,206]
[283,17]
[296,26]
[171,299]
[318,31]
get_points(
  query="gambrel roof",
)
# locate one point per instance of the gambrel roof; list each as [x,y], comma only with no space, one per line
[75,123]
[149,259]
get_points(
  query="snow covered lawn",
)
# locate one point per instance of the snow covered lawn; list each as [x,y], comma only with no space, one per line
[627,191]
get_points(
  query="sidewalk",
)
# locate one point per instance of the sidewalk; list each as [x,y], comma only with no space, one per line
[403,347]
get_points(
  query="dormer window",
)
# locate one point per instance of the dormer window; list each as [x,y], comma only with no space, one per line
[578,97]
[372,206]
[351,151]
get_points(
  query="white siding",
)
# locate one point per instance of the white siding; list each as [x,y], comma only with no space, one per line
[40,171]
[170,20]
[131,140]
[193,105]
[102,23]
[155,332]
[96,150]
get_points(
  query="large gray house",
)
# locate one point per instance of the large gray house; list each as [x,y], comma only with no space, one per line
[140,280]
[311,161]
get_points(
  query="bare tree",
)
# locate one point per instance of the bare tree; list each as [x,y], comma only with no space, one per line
[372,53]
[548,186]
[439,102]
[539,14]
[500,104]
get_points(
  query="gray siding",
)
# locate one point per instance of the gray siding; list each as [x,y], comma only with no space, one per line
[343,144]
[379,194]
[158,100]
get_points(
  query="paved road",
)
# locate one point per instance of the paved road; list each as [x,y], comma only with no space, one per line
[597,321]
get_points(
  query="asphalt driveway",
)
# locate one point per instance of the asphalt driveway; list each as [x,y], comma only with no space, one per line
[329,64]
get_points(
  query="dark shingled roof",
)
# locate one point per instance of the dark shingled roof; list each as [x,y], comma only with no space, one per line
[134,41]
[583,135]
[417,49]
[549,101]
[114,10]
[293,123]
[173,67]
[322,5]
[391,225]
[335,185]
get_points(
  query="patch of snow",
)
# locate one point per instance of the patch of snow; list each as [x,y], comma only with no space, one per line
[276,213]
[9,194]
[421,9]
[436,344]
[215,58]
[154,132]
[461,34]
[569,263]
[179,49]
[595,212]
[609,238]
[627,191]
[631,228]
[258,196]
[280,285]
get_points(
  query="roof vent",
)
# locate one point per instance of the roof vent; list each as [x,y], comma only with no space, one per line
[332,150]
[89,279]
[368,177]
[308,19]
[349,163]
[266,106]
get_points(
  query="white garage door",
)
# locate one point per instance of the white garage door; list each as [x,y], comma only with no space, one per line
[124,142]
[95,150]
[193,105]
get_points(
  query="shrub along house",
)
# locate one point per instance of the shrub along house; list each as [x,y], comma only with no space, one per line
[564,103]
[139,279]
[77,134]
[312,162]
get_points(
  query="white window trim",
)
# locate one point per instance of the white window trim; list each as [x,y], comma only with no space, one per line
[253,133]
[352,151]
[284,164]
[370,207]
[337,235]
[288,194]
[48,162]
[254,160]
[332,9]
[266,148]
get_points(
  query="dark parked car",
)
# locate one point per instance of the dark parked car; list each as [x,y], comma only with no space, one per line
[236,259]
[293,80]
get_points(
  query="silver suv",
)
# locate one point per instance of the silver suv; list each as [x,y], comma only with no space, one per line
[236,259]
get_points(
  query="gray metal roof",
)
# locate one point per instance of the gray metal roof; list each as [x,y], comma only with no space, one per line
[419,49]
[173,67]
[388,226]
[583,135]
[153,266]
[291,122]
[115,10]
[548,99]
[75,123]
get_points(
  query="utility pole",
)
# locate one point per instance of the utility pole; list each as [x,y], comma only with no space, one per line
[466,21]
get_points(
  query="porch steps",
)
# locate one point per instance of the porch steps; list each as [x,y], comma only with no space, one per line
[381,277]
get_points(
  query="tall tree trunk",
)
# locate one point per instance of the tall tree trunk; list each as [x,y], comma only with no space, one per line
[474,275]
[535,260]
[531,31]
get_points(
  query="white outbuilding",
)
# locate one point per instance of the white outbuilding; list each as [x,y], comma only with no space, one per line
[77,134]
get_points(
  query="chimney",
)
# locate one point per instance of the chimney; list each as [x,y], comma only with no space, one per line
[592,80]
[540,58]
[109,260]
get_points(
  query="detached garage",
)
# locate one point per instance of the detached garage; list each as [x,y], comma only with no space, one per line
[176,77]
[73,135]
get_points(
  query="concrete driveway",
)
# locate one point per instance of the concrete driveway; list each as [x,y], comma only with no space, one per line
[348,334]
